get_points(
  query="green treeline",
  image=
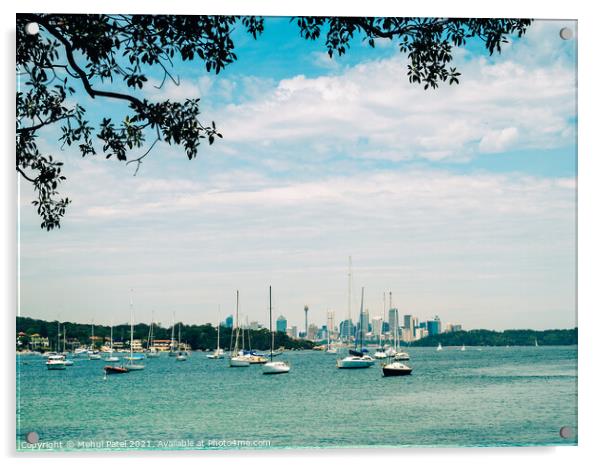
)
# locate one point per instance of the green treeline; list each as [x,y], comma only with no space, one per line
[197,336]
[507,337]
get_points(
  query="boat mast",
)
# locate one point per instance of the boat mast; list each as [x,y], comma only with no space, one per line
[131,325]
[271,333]
[349,302]
[64,339]
[235,350]
[361,331]
[173,328]
[58,336]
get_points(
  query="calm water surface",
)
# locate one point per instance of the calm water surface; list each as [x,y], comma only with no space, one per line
[480,397]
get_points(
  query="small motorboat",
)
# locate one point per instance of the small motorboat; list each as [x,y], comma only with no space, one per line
[395,369]
[401,356]
[380,353]
[56,362]
[276,367]
[115,370]
[181,356]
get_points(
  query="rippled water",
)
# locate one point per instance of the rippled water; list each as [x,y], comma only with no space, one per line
[480,397]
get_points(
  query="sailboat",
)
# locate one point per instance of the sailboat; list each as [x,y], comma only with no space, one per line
[68,362]
[329,348]
[439,347]
[182,355]
[380,351]
[274,367]
[357,359]
[111,357]
[130,365]
[463,348]
[93,353]
[237,360]
[536,344]
[218,353]
[151,350]
[172,343]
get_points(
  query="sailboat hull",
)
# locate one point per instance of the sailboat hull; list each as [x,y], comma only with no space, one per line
[396,370]
[239,362]
[354,362]
[115,370]
[277,367]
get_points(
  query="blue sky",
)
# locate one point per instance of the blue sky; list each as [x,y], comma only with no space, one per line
[459,200]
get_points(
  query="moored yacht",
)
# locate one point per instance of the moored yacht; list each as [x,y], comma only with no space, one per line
[236,360]
[357,359]
[274,367]
[56,362]
[396,368]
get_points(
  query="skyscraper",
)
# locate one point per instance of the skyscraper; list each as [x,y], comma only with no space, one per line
[434,326]
[377,326]
[408,328]
[281,324]
[393,319]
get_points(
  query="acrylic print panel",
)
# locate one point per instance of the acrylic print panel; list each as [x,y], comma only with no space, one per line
[295,232]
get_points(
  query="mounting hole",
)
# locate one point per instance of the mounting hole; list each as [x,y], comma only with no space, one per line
[566,33]
[32,437]
[566,432]
[32,28]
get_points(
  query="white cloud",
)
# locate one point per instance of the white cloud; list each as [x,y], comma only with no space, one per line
[508,102]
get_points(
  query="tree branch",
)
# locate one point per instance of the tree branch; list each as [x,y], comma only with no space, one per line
[81,73]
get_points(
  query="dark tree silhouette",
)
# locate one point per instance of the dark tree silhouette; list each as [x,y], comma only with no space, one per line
[92,52]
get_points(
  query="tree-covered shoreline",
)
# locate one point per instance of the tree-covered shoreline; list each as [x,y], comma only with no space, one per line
[515,337]
[199,337]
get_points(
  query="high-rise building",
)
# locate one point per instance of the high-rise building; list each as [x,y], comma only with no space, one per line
[434,326]
[281,324]
[408,328]
[346,329]
[312,332]
[393,319]
[294,332]
[377,327]
[229,322]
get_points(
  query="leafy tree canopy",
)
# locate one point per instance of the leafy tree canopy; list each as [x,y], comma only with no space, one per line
[99,51]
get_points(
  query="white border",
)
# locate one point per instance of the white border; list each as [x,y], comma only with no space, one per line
[590,231]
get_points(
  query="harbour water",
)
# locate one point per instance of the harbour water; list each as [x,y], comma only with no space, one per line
[493,396]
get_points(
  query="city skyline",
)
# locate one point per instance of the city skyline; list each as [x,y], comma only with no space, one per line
[459,215]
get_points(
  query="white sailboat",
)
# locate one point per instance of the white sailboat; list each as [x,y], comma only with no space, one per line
[439,347]
[151,350]
[357,360]
[237,360]
[111,357]
[463,348]
[182,355]
[132,364]
[68,362]
[274,367]
[380,351]
[172,343]
[93,353]
[218,353]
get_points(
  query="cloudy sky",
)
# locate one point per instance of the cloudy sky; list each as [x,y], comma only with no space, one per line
[460,200]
